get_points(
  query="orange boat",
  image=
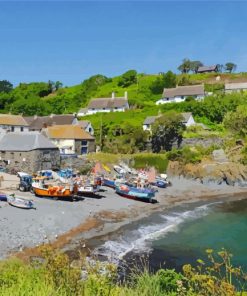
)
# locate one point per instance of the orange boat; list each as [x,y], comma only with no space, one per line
[46,190]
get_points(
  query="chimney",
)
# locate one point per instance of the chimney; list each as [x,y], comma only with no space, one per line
[126,95]
[113,95]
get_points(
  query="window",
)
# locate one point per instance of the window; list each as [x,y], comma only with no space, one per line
[12,128]
[84,143]
[22,128]
[90,129]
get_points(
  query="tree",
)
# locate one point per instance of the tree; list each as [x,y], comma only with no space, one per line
[188,65]
[5,86]
[167,130]
[128,78]
[185,66]
[230,67]
[237,121]
[58,85]
[165,80]
[194,65]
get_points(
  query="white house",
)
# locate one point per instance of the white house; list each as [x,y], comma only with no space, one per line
[235,87]
[13,123]
[180,93]
[70,139]
[188,120]
[113,104]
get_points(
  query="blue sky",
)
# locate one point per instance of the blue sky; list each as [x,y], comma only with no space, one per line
[70,41]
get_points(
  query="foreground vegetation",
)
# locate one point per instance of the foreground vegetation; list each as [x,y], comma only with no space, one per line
[55,275]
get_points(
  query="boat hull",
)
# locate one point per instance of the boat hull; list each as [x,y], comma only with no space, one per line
[3,197]
[135,194]
[87,190]
[20,203]
[109,183]
[43,192]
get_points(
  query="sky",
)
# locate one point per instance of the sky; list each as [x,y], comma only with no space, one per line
[71,41]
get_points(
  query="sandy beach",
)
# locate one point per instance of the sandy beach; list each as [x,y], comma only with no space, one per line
[67,224]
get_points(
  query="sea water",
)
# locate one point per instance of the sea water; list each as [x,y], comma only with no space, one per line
[179,236]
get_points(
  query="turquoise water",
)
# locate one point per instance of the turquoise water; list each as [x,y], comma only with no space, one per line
[179,236]
[224,225]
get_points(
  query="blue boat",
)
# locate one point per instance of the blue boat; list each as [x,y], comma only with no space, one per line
[159,183]
[108,183]
[135,193]
[3,197]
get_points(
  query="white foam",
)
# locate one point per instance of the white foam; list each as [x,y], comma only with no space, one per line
[140,240]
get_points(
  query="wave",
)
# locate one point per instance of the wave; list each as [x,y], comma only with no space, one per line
[140,239]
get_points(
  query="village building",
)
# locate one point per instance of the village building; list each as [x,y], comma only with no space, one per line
[235,87]
[87,126]
[180,93]
[113,104]
[12,123]
[208,69]
[36,123]
[70,139]
[188,120]
[28,152]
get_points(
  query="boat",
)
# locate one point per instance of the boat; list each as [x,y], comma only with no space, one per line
[3,196]
[159,183]
[55,191]
[87,189]
[135,193]
[108,183]
[19,202]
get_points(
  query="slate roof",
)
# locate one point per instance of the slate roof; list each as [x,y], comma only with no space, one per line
[83,123]
[38,122]
[67,132]
[186,116]
[100,103]
[15,120]
[236,85]
[189,90]
[150,120]
[207,69]
[24,141]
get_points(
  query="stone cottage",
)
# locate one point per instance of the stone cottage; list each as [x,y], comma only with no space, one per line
[28,152]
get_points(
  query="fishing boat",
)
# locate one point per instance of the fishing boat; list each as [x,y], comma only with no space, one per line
[87,189]
[135,193]
[19,202]
[55,191]
[108,183]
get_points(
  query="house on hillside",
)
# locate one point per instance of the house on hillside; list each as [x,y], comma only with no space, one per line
[208,69]
[28,152]
[180,93]
[113,104]
[36,123]
[70,139]
[12,123]
[188,120]
[87,126]
[235,87]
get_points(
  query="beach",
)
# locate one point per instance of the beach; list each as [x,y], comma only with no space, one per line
[71,225]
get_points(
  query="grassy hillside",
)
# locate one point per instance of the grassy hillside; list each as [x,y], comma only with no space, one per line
[43,98]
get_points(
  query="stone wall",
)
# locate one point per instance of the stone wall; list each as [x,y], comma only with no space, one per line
[30,161]
[205,142]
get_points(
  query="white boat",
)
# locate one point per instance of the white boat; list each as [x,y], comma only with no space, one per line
[88,189]
[19,202]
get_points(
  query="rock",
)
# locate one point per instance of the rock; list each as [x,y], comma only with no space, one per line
[219,156]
